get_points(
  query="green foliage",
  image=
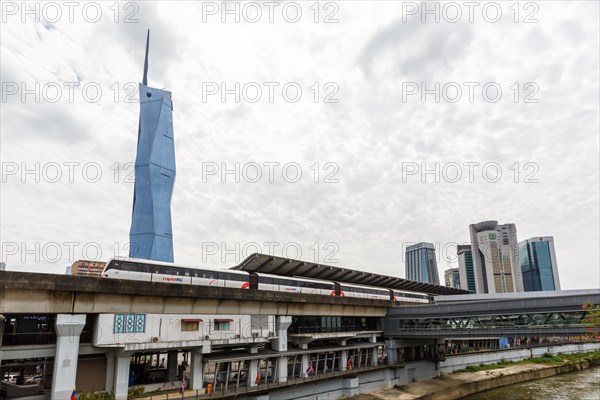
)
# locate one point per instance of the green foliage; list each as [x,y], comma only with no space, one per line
[486,367]
[96,396]
[591,319]
[546,358]
[135,392]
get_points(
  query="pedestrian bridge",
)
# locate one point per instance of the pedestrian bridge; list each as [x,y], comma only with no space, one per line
[493,315]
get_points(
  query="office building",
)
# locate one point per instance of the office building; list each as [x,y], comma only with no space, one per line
[151,234]
[465,268]
[538,264]
[86,268]
[421,265]
[495,257]
[452,278]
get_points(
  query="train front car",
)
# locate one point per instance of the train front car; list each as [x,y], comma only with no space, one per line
[125,268]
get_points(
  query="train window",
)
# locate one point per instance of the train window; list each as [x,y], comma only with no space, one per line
[171,271]
[129,267]
[221,275]
[266,281]
[207,274]
[144,268]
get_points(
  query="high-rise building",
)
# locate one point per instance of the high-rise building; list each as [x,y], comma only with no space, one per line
[86,268]
[151,235]
[538,264]
[495,257]
[465,268]
[452,278]
[421,265]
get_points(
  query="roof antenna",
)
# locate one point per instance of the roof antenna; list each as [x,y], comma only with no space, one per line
[145,80]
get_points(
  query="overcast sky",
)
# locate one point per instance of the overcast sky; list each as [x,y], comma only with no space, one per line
[370,131]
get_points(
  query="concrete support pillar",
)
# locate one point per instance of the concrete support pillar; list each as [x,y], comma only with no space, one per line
[304,364]
[344,360]
[350,386]
[282,371]
[412,353]
[172,366]
[68,329]
[374,356]
[252,373]
[391,348]
[110,371]
[282,323]
[121,378]
[196,370]
[2,319]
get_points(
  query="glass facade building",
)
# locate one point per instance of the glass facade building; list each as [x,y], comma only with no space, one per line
[151,235]
[421,265]
[465,268]
[538,264]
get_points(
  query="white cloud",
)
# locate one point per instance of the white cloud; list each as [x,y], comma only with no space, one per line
[371,54]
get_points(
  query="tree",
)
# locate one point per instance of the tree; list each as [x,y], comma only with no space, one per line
[591,319]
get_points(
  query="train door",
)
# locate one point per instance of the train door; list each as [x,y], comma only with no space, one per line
[253,280]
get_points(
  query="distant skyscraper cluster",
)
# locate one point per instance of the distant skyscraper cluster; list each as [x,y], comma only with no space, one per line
[494,262]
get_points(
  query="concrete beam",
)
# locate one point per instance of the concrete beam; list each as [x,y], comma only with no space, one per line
[46,293]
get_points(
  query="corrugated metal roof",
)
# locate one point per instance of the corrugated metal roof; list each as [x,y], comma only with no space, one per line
[288,267]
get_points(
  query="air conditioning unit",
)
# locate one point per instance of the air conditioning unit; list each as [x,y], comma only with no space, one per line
[206,337]
[238,336]
[271,334]
[255,334]
[154,339]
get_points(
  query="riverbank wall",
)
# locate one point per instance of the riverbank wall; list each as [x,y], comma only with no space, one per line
[498,378]
[455,362]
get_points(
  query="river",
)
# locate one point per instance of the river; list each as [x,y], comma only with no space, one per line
[579,385]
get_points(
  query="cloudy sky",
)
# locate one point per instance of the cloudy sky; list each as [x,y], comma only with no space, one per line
[366,96]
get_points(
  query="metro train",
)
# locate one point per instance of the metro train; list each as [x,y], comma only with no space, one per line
[153,271]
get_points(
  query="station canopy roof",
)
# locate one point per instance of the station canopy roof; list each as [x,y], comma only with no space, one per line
[288,267]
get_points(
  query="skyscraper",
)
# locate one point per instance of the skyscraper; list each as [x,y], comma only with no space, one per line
[538,264]
[421,265]
[495,257]
[452,278]
[151,235]
[465,268]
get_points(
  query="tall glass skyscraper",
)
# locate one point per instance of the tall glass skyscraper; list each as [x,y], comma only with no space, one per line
[465,267]
[538,264]
[421,265]
[151,235]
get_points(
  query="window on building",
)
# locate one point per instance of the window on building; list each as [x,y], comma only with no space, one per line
[222,324]
[190,325]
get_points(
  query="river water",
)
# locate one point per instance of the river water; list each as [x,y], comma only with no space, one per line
[579,385]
